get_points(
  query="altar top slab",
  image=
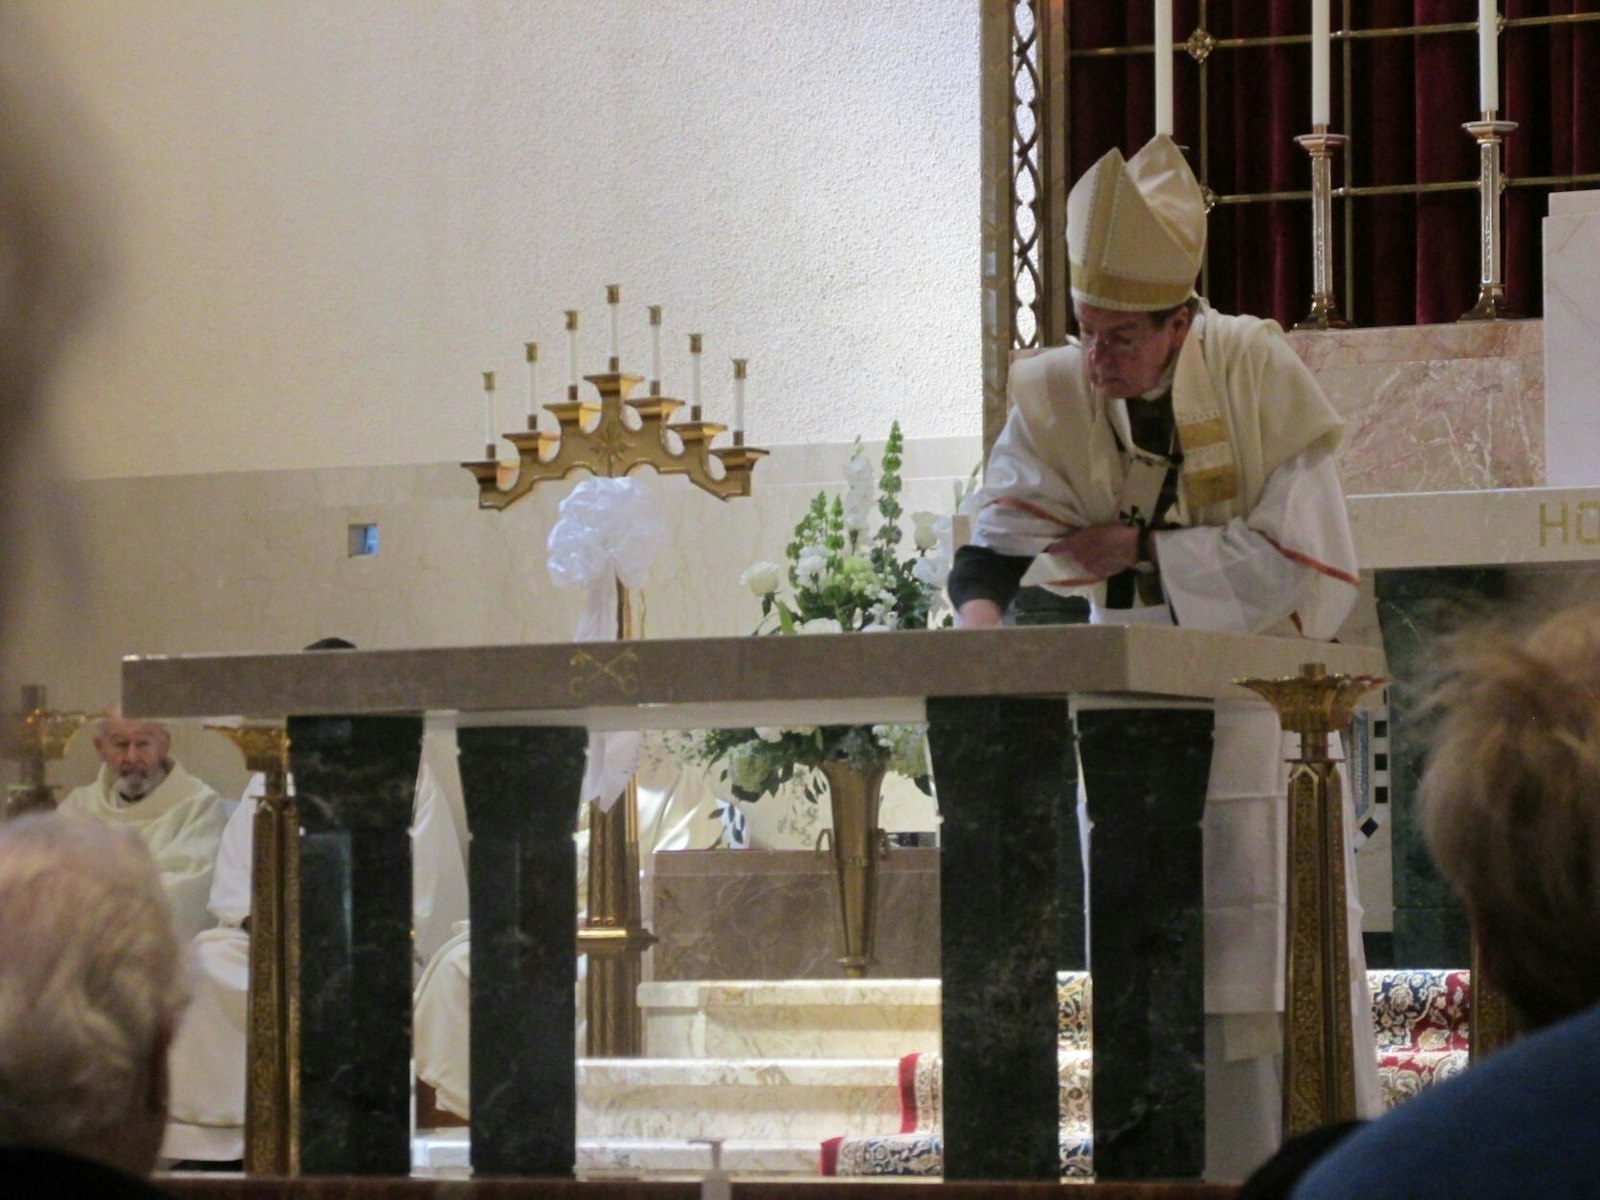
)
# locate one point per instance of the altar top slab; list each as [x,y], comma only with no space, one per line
[1550,527]
[704,682]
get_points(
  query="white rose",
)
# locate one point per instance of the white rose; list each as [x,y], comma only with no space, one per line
[762,578]
[819,625]
[925,535]
[769,734]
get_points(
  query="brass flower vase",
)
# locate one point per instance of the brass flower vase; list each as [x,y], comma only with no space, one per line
[857,845]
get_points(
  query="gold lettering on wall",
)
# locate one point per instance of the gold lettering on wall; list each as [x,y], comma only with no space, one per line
[1588,523]
[1546,524]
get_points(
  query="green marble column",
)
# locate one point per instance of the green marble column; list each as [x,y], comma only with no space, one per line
[1144,777]
[354,782]
[1006,782]
[521,786]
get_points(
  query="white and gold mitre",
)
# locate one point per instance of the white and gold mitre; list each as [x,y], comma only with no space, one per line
[1136,230]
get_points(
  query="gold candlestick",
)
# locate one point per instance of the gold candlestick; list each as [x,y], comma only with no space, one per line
[1491,303]
[598,438]
[1318,1057]
[35,737]
[1321,145]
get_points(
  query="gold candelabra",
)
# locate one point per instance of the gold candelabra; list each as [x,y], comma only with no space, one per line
[1491,304]
[1318,1060]
[1321,146]
[34,738]
[272,1034]
[611,439]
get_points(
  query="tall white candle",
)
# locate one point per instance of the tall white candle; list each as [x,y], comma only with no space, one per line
[1164,67]
[1321,53]
[613,299]
[488,414]
[532,350]
[655,346]
[738,394]
[572,353]
[1488,55]
[694,375]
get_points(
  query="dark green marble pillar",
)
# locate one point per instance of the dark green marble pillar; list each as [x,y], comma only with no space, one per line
[1006,782]
[520,786]
[1416,608]
[1144,777]
[354,779]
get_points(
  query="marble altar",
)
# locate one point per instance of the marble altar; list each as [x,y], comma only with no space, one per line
[996,703]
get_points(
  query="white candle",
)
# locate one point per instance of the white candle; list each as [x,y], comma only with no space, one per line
[1164,67]
[655,347]
[694,375]
[1488,56]
[738,394]
[1321,52]
[613,299]
[532,349]
[572,353]
[488,414]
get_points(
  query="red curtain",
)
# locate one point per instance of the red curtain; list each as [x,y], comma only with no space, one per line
[1415,257]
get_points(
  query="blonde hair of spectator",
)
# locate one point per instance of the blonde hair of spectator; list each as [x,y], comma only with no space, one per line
[1511,806]
[90,991]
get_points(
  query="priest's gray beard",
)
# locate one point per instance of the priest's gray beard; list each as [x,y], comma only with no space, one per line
[133,788]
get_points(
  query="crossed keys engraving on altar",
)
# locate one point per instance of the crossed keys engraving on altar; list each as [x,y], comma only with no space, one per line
[621,669]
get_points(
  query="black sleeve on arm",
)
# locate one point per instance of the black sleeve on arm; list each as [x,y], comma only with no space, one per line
[980,573]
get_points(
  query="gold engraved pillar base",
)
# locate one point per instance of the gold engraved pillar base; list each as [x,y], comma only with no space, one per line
[1321,145]
[1319,1060]
[1491,303]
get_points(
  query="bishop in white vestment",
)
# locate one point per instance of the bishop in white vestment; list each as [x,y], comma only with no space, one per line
[1176,466]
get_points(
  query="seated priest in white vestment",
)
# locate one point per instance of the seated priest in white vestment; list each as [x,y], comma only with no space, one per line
[208,1060]
[179,816]
[676,812]
[1176,465]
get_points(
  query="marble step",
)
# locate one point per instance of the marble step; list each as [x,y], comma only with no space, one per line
[787,1099]
[448,1154]
[803,1018]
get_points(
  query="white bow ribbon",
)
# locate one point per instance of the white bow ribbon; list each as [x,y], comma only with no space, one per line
[607,531]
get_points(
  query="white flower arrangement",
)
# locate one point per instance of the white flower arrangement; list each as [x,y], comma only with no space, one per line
[844,577]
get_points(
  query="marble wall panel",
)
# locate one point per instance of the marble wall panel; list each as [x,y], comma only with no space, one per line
[1572,336]
[760,914]
[1434,407]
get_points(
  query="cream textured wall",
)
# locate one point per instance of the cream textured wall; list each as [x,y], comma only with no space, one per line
[335,215]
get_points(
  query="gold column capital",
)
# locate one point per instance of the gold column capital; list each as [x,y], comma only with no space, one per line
[1313,701]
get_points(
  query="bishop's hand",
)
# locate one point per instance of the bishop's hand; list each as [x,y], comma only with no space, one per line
[1102,550]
